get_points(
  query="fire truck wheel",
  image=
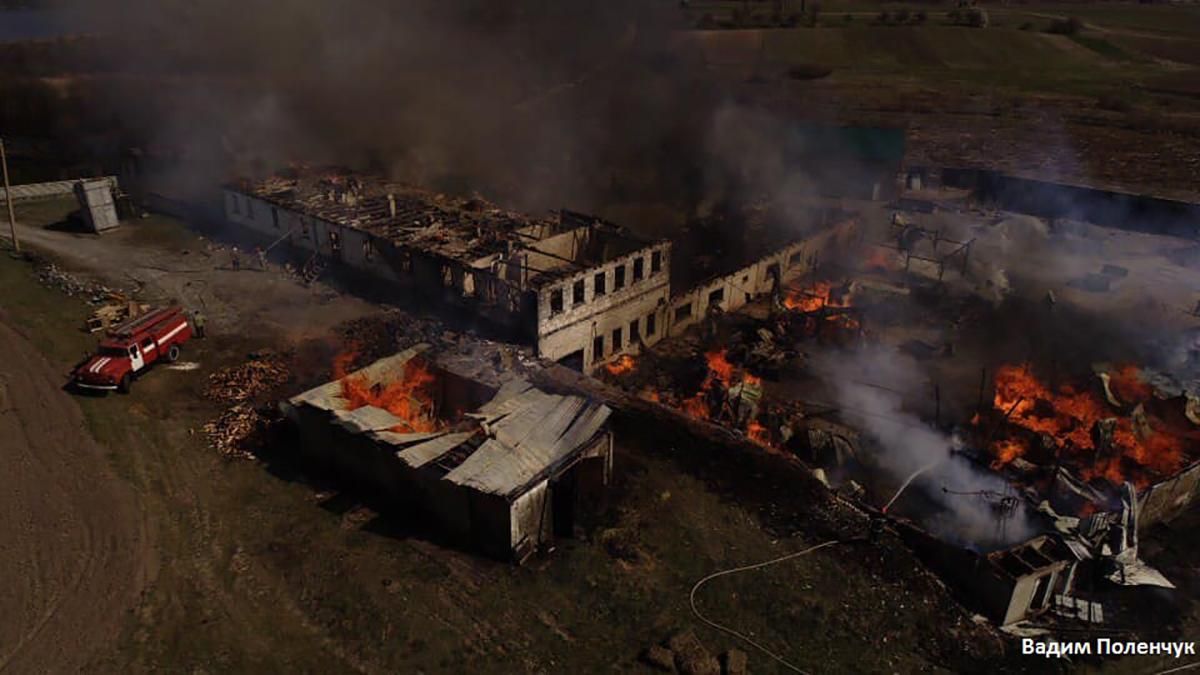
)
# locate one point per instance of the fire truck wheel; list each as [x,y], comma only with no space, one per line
[123,386]
[173,353]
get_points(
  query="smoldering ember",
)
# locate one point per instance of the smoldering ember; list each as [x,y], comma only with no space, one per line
[684,337]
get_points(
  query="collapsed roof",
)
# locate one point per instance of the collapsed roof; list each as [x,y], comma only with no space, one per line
[471,231]
[519,436]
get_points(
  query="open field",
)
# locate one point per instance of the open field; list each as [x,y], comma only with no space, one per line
[262,570]
[1113,105]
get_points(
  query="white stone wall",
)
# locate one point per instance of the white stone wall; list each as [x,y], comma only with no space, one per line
[740,287]
[577,325]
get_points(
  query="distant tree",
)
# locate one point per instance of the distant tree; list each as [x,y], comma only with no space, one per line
[902,15]
[920,16]
[884,18]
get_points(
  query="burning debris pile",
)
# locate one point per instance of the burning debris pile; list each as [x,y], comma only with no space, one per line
[242,387]
[823,310]
[1115,430]
[727,394]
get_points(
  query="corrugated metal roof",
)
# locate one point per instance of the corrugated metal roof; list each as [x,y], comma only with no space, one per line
[537,432]
[366,418]
[421,454]
[529,431]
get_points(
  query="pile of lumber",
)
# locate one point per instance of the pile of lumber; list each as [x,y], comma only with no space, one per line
[239,428]
[247,381]
[232,432]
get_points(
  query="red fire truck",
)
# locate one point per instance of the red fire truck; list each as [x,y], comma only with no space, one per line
[132,346]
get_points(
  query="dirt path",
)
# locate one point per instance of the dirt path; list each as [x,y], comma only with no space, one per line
[75,553]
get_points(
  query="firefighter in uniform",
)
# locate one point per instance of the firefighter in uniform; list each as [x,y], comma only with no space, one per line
[198,323]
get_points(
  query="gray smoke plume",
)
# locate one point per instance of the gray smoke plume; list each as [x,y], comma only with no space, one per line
[958,498]
[543,102]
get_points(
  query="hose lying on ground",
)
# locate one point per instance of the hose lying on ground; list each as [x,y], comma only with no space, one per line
[747,568]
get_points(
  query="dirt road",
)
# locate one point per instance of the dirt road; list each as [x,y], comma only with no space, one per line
[74,552]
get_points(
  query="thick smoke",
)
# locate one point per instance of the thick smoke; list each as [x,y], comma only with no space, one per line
[871,386]
[543,103]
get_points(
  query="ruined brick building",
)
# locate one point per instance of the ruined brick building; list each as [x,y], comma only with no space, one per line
[579,289]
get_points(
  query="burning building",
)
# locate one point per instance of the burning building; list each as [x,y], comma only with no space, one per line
[583,291]
[498,465]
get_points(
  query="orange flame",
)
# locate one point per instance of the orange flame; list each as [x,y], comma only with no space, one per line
[818,296]
[1069,415]
[757,432]
[810,299]
[623,365]
[408,398]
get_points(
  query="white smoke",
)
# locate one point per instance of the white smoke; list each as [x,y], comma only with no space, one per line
[871,385]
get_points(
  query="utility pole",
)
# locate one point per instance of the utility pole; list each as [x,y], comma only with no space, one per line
[12,216]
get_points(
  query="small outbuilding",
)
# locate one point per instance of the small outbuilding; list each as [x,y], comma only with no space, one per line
[503,469]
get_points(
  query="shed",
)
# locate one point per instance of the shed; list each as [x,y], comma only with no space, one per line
[96,201]
[507,469]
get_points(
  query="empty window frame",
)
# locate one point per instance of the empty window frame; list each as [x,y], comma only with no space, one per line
[597,348]
[651,328]
[600,284]
[616,339]
[556,301]
[619,278]
[717,296]
[577,292]
[639,269]
[655,262]
[634,333]
[683,312]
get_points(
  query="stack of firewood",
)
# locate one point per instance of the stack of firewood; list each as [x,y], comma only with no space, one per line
[249,380]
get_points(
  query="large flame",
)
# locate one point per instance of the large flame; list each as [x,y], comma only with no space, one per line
[811,298]
[817,296]
[407,398]
[1069,416]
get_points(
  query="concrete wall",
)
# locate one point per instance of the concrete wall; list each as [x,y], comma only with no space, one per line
[1020,604]
[1165,500]
[579,324]
[735,290]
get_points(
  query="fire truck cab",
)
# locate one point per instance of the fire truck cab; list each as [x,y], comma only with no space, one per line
[130,348]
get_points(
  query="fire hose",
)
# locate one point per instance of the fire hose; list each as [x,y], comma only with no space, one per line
[747,568]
